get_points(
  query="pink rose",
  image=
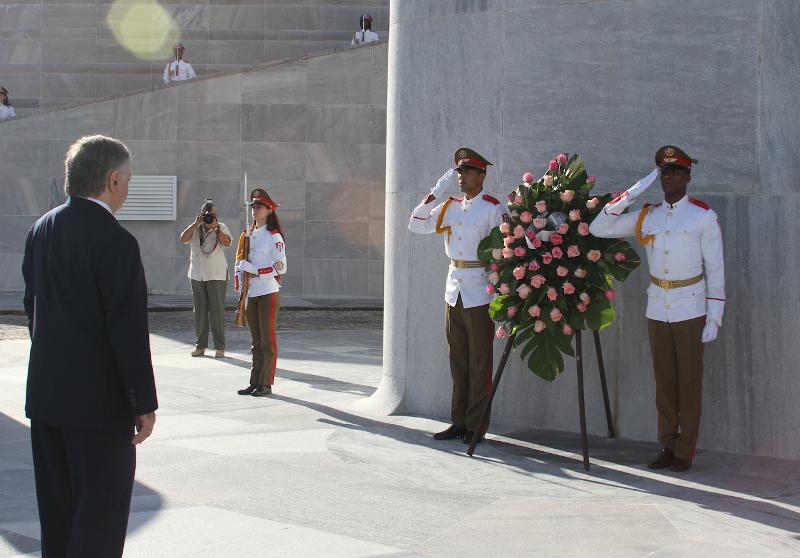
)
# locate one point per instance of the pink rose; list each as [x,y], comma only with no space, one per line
[512,311]
[541,206]
[519,251]
[501,333]
[518,200]
[547,180]
[573,251]
[619,256]
[594,255]
[563,228]
[592,203]
[527,177]
[534,265]
[611,294]
[567,195]
[526,217]
[530,234]
[505,228]
[508,241]
[508,253]
[562,271]
[539,223]
[556,239]
[494,267]
[555,314]
[580,273]
[547,257]
[523,290]
[490,289]
[497,253]
[575,215]
[539,326]
[591,180]
[518,273]
[562,159]
[568,288]
[537,243]
[537,281]
[553,165]
[552,294]
[511,197]
[557,253]
[583,229]
[504,289]
[566,330]
[519,231]
[494,277]
[585,298]
[581,307]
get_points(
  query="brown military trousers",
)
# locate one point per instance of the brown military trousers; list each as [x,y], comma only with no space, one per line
[470,334]
[262,315]
[677,352]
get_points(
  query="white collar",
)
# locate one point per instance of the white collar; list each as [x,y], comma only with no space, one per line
[102,203]
[678,204]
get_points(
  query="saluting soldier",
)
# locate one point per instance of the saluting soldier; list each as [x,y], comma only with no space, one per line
[464,222]
[686,297]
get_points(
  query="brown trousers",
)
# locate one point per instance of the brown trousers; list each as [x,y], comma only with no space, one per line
[677,353]
[262,315]
[470,334]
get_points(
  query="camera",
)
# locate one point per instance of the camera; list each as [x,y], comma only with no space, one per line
[205,212]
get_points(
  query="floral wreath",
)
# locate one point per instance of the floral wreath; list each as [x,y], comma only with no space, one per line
[553,277]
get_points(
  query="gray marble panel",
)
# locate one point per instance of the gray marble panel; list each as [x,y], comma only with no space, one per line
[277,123]
[284,85]
[248,17]
[151,235]
[274,161]
[153,156]
[224,89]
[340,161]
[109,51]
[184,16]
[228,195]
[233,52]
[147,116]
[375,241]
[336,240]
[23,158]
[13,230]
[71,124]
[20,51]
[33,127]
[22,85]
[115,85]
[375,279]
[11,281]
[71,50]
[352,124]
[209,159]
[160,272]
[287,49]
[209,121]
[73,86]
[294,233]
[235,34]
[119,68]
[21,17]
[335,278]
[290,195]
[71,16]
[24,196]
[345,79]
[377,201]
[380,71]
[337,201]
[57,153]
[294,17]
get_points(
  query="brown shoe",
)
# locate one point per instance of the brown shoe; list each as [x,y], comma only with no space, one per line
[247,391]
[198,352]
[262,391]
[663,460]
[452,432]
[220,353]
[680,465]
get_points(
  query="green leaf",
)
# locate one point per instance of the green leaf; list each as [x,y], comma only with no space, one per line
[576,172]
[621,270]
[600,315]
[498,309]
[546,361]
[494,240]
[563,342]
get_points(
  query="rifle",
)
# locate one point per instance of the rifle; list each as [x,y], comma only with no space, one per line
[243,253]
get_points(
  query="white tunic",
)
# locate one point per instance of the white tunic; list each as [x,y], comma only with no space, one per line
[267,261]
[181,71]
[364,37]
[470,221]
[687,243]
[7,112]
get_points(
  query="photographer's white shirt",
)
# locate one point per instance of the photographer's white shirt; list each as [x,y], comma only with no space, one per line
[211,266]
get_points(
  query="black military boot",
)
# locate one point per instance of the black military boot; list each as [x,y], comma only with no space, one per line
[247,391]
[663,460]
[452,432]
[262,391]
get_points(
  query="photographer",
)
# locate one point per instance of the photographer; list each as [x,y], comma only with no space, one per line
[208,271]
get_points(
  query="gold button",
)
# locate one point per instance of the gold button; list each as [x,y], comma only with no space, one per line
[459,238]
[666,271]
[459,280]
[667,232]
[669,214]
[666,251]
[459,223]
[668,307]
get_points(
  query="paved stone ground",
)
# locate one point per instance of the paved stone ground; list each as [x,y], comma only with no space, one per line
[309,473]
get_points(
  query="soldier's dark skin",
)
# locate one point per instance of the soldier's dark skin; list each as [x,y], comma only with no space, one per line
[470,181]
[674,181]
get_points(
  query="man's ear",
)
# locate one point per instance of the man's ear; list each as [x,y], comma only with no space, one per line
[113,181]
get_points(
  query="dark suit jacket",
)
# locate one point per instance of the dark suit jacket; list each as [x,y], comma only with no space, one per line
[86,301]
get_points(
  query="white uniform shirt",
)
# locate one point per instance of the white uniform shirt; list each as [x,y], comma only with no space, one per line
[362,37]
[181,71]
[687,240]
[470,221]
[7,112]
[211,266]
[267,261]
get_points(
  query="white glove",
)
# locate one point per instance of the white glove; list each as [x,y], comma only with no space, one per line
[616,207]
[447,180]
[710,332]
[244,265]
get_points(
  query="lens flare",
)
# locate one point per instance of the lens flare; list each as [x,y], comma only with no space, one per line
[144,28]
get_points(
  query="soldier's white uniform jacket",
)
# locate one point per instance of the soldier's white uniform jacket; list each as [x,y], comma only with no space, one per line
[181,71]
[685,242]
[267,261]
[463,223]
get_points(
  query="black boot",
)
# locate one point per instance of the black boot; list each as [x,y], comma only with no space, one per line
[452,432]
[663,460]
[247,391]
[262,391]
[468,437]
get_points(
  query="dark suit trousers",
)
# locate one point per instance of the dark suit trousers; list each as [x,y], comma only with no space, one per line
[84,482]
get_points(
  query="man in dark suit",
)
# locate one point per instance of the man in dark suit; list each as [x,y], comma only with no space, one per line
[90,377]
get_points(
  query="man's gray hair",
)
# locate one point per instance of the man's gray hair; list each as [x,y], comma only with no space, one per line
[89,162]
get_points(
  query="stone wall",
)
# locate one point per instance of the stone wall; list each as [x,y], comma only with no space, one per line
[311,131]
[612,80]
[54,52]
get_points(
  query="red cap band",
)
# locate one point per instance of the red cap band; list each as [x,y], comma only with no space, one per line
[473,163]
[676,161]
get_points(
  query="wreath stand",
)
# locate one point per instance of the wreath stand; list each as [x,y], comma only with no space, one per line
[581,401]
